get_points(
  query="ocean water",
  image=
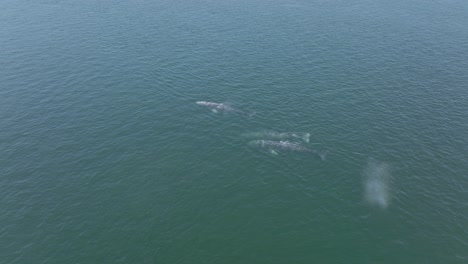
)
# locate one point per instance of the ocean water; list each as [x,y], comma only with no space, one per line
[106,158]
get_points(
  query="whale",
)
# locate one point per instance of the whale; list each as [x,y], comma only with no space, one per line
[274,147]
[217,107]
[272,135]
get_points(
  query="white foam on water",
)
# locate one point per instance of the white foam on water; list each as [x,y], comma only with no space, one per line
[377,184]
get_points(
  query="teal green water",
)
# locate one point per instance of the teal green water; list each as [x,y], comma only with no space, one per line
[106,158]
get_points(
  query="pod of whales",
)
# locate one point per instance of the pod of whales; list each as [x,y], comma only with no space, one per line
[376,174]
[272,141]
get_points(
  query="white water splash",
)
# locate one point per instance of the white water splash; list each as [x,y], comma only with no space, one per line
[377,184]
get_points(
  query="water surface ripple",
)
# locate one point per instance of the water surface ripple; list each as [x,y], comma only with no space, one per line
[106,158]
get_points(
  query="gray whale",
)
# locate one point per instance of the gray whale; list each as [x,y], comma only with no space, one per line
[273,146]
